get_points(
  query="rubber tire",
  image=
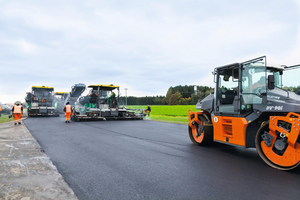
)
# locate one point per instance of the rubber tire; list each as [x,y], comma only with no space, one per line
[208,134]
[258,139]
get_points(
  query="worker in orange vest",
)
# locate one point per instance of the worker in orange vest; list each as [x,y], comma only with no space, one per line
[148,110]
[68,111]
[17,111]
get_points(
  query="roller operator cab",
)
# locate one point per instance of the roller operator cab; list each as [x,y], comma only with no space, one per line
[251,107]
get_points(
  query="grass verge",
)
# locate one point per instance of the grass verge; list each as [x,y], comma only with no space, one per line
[4,118]
[171,119]
[167,113]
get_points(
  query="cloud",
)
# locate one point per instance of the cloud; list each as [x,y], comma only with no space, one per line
[144,46]
[293,57]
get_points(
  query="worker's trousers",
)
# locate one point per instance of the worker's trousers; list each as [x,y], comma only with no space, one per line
[17,117]
[68,115]
[147,113]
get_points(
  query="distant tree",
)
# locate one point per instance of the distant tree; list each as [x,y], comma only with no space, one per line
[194,99]
[157,100]
[184,101]
[174,99]
[168,96]
[187,94]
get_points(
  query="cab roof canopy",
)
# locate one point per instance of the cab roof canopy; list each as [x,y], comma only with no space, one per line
[104,87]
[229,66]
[227,69]
[61,92]
[43,87]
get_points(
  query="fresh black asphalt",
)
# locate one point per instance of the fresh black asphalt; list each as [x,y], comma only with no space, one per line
[142,159]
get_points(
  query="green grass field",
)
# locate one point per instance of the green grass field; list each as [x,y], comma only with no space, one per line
[174,114]
[4,118]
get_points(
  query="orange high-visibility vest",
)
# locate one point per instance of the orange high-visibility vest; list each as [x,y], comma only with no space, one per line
[17,109]
[68,108]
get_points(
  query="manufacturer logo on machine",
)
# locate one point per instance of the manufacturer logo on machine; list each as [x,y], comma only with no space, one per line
[215,119]
[273,97]
[274,107]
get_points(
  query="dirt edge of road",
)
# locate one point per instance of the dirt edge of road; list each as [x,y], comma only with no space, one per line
[25,171]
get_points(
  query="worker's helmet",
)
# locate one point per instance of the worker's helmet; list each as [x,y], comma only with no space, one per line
[67,103]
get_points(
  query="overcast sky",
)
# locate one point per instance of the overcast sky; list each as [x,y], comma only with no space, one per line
[145,46]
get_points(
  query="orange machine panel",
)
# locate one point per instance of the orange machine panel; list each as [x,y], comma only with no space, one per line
[230,129]
[292,152]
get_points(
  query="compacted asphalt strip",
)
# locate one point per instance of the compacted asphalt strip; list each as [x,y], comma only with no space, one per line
[142,159]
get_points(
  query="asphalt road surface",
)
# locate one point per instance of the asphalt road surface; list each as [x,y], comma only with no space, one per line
[143,159]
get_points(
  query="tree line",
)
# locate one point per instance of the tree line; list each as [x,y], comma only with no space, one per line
[178,95]
[292,89]
[151,100]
